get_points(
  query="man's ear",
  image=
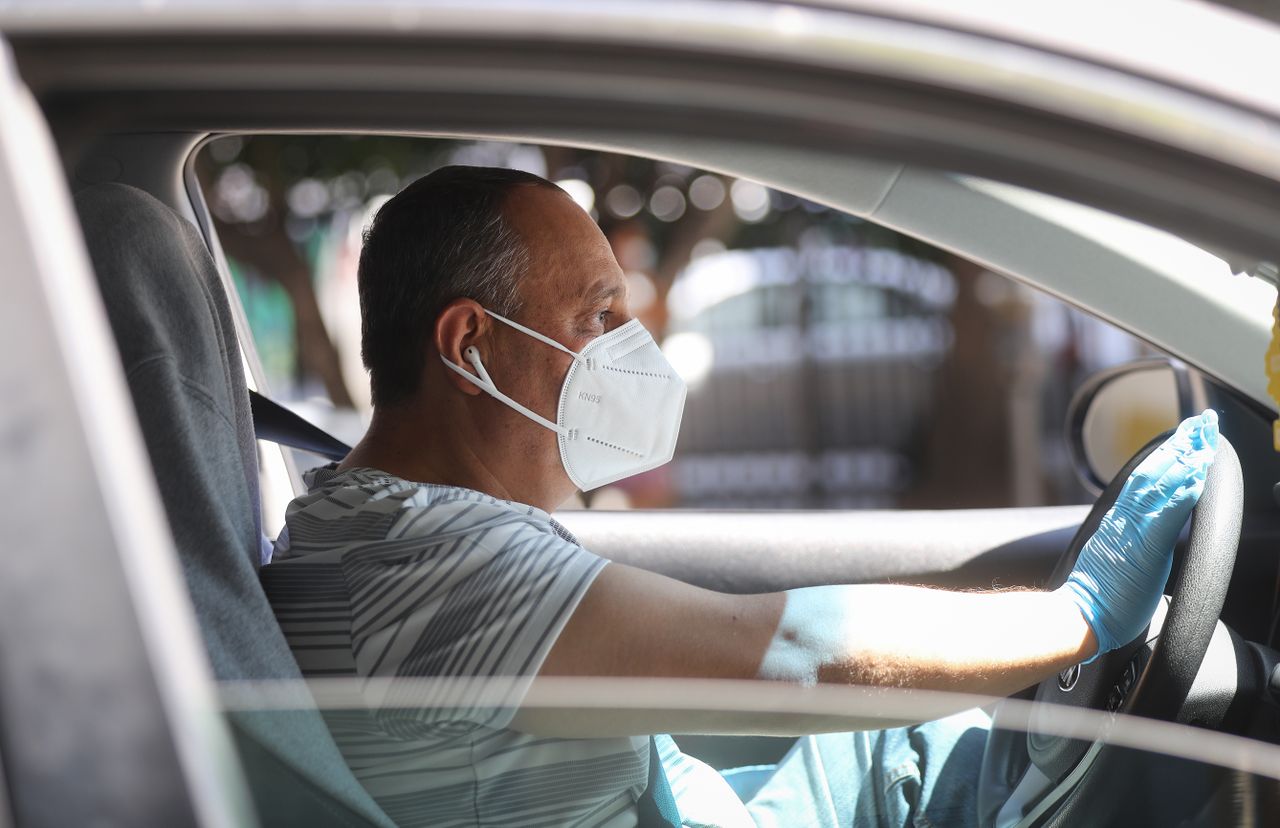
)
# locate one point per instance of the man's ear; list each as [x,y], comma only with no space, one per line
[461,325]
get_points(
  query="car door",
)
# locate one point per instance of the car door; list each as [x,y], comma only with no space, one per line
[107,708]
[928,87]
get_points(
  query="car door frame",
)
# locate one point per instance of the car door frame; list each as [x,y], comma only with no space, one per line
[108,712]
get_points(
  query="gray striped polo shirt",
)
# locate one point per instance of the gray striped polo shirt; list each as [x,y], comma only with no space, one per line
[376,576]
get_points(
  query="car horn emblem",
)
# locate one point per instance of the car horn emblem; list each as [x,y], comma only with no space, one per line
[1067,678]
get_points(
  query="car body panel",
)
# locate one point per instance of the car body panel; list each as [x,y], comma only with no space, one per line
[108,711]
[787,95]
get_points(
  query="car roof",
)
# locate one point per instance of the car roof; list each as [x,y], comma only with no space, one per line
[1183,50]
[1213,111]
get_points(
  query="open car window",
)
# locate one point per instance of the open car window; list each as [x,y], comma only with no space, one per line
[821,350]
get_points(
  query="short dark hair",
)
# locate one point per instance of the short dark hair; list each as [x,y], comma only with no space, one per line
[444,237]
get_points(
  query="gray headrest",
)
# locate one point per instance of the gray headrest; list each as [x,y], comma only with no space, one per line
[178,344]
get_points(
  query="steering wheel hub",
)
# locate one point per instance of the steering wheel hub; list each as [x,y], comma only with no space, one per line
[1067,678]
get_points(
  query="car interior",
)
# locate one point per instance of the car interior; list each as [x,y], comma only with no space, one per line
[213,440]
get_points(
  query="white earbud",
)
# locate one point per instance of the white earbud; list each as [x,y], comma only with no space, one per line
[472,356]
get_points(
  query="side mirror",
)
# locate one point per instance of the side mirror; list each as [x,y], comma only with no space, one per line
[1116,411]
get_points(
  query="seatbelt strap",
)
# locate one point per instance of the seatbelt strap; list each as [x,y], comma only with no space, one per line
[277,424]
[656,807]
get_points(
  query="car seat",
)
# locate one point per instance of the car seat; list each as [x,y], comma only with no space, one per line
[173,326]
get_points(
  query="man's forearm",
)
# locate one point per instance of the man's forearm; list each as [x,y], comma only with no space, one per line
[899,636]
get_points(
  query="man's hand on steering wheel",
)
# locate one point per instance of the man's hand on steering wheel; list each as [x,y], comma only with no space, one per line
[1122,569]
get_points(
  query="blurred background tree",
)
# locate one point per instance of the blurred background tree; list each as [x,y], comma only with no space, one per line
[273,197]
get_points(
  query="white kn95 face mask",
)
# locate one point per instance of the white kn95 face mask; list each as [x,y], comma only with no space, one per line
[620,404]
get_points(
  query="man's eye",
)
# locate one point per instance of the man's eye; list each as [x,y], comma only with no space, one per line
[603,316]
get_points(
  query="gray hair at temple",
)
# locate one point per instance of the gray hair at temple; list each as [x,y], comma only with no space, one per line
[442,238]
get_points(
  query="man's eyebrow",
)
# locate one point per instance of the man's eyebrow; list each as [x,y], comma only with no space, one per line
[602,290]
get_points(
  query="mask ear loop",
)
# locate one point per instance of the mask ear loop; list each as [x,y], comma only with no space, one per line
[538,336]
[485,383]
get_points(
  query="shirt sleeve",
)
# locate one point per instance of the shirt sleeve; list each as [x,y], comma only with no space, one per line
[460,606]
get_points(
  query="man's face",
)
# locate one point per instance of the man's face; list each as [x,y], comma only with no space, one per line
[574,292]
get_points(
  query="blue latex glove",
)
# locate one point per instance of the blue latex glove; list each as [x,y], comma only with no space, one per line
[1121,572]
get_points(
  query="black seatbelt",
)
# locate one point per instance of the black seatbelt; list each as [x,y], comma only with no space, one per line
[277,424]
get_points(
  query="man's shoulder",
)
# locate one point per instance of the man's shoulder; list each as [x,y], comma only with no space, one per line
[362,506]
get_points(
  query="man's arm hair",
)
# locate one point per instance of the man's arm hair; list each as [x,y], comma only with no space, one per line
[633,623]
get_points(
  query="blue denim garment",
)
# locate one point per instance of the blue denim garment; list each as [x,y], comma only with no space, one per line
[924,776]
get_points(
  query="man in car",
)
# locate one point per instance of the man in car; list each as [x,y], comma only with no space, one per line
[507,373]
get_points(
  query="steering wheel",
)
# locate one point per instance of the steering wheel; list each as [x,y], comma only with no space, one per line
[1044,780]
